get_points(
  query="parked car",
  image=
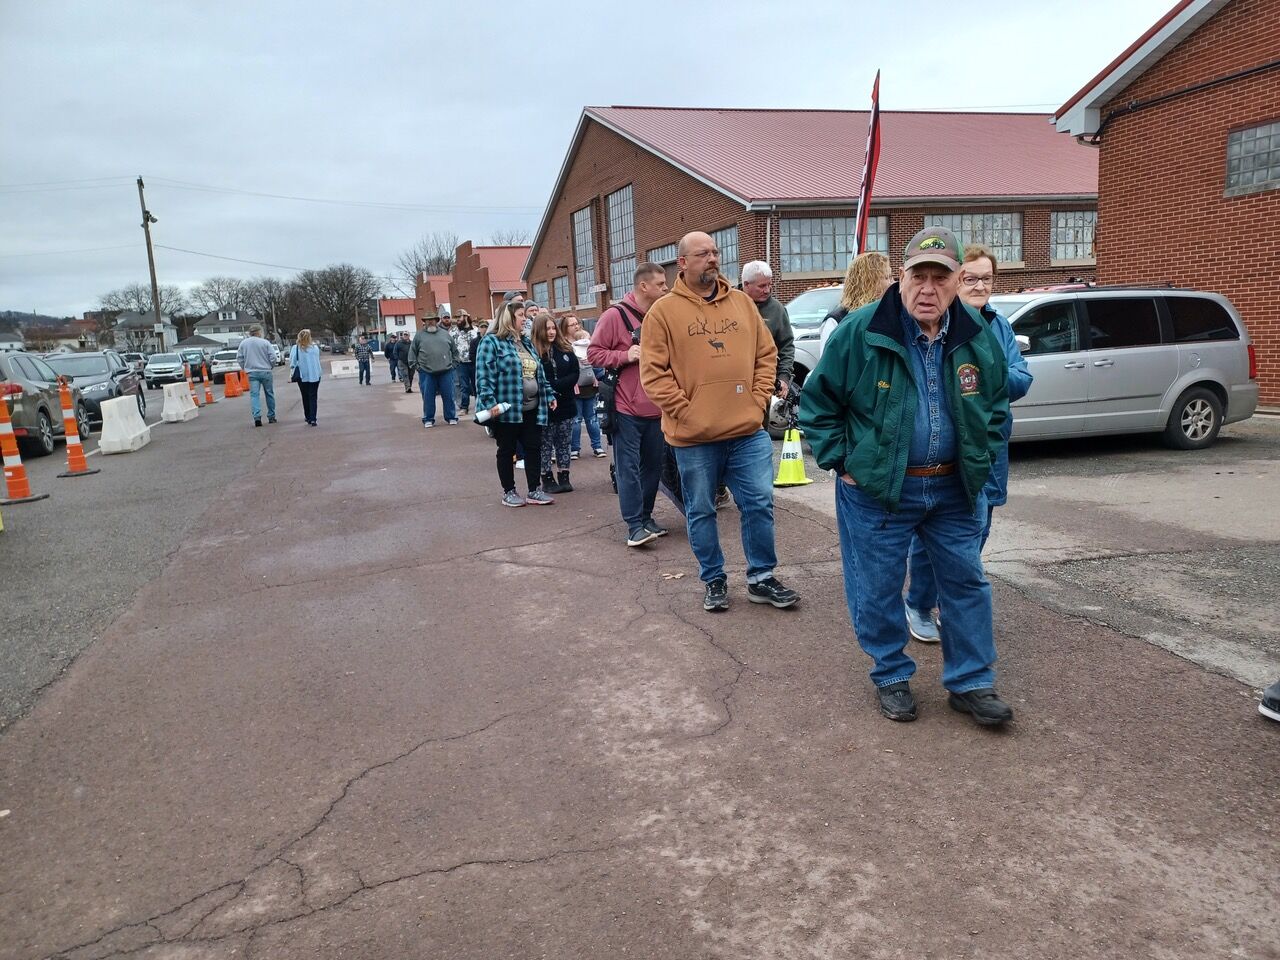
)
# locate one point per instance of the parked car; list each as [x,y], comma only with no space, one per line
[195,358]
[163,368]
[277,356]
[100,375]
[135,360]
[224,362]
[30,388]
[1109,360]
[806,312]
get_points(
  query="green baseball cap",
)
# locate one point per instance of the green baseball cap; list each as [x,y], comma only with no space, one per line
[933,245]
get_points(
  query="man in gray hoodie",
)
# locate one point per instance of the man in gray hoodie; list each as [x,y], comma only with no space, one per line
[434,354]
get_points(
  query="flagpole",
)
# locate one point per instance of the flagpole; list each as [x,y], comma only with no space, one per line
[871,160]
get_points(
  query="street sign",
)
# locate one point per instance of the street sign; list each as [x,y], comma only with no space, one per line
[157,327]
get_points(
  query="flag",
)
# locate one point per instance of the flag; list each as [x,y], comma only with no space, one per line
[869,164]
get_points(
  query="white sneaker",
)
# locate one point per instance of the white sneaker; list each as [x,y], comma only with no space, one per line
[428,424]
[452,423]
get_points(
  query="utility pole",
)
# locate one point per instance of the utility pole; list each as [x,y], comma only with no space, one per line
[274,329]
[147,220]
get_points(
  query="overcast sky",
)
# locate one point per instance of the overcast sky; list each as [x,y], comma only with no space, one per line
[406,112]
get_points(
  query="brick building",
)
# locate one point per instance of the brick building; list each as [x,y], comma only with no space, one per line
[482,275]
[431,294]
[782,186]
[1187,120]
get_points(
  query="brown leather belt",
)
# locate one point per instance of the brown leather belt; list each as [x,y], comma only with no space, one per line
[938,470]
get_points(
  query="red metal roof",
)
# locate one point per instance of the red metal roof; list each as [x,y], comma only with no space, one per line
[790,156]
[395,307]
[505,266]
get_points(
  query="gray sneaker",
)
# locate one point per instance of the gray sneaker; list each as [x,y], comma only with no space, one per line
[538,498]
[512,499]
[921,626]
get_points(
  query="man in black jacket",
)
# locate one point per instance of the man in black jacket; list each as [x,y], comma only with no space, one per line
[389,351]
[402,361]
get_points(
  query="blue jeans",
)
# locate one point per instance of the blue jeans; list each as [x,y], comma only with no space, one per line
[587,415]
[366,374]
[466,383]
[391,362]
[922,591]
[637,463]
[873,545]
[430,384]
[745,466]
[264,381]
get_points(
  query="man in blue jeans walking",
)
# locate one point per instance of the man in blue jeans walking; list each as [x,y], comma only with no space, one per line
[364,353]
[255,358]
[708,361]
[908,405]
[434,354]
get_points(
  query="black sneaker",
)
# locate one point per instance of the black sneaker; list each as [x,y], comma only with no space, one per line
[1270,705]
[271,420]
[656,530]
[897,701]
[257,423]
[640,536]
[983,704]
[717,597]
[769,590]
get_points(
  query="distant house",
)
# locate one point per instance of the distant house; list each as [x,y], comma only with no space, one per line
[12,339]
[226,324]
[395,315]
[136,331]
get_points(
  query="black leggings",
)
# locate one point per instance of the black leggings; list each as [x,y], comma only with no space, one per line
[529,434]
[309,392]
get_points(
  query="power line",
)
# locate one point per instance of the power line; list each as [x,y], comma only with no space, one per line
[432,208]
[256,263]
[57,183]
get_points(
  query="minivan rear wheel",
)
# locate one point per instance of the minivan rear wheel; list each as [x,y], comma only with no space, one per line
[1195,420]
[41,442]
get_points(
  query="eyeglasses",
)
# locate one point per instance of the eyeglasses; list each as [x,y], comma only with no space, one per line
[969,281]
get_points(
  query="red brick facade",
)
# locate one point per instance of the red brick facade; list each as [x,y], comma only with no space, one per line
[470,289]
[1163,216]
[669,203]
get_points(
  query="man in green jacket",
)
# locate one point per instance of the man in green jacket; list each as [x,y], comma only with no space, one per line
[907,406]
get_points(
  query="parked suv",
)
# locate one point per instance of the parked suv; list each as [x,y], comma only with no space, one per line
[163,368]
[195,358]
[1131,360]
[135,360]
[807,312]
[224,362]
[100,375]
[30,388]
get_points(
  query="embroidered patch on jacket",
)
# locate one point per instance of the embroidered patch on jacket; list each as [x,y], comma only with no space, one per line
[968,375]
[883,384]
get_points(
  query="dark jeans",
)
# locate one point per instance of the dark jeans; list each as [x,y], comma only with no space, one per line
[637,452]
[309,392]
[528,433]
[366,372]
[406,377]
[466,376]
[432,383]
[391,363]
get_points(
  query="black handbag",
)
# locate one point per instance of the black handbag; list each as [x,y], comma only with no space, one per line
[297,369]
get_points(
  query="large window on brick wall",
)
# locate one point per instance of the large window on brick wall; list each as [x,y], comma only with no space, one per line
[622,242]
[1071,234]
[825,244]
[1253,159]
[1002,232]
[663,255]
[540,294]
[584,256]
[561,287]
[726,241]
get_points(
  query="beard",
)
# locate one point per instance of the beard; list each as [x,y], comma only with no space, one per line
[708,277]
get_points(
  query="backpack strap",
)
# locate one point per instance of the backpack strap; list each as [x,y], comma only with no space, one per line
[625,308]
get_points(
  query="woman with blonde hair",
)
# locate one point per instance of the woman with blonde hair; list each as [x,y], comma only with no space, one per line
[866,280]
[561,367]
[304,361]
[512,386]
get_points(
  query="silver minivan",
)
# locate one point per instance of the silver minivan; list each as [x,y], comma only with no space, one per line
[1131,360]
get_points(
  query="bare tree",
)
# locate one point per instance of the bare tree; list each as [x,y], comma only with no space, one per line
[434,253]
[217,293]
[265,296]
[509,238]
[333,297]
[137,297]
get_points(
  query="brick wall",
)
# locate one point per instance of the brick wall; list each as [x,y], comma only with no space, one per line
[469,288]
[1162,215]
[424,298]
[669,203]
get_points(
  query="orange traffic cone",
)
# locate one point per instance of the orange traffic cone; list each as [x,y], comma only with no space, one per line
[230,386]
[17,487]
[186,370]
[244,381]
[208,387]
[77,466]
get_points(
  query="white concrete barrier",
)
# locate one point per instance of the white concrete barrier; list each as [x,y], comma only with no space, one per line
[343,368]
[178,405]
[123,430]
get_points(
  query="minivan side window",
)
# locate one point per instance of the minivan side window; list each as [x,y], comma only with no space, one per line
[1197,319]
[1050,328]
[1122,322]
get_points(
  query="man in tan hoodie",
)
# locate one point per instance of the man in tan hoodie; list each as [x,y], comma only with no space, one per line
[707,361]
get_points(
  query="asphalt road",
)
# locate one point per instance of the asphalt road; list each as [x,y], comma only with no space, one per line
[357,709]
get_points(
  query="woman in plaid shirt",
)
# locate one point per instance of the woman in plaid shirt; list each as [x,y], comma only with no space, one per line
[508,371]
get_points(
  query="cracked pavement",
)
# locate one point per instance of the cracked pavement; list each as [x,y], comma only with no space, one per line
[363,711]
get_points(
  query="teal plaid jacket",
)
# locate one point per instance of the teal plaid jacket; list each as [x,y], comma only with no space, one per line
[499,379]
